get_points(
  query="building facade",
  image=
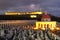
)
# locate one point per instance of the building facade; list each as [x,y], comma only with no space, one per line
[23,13]
[45,23]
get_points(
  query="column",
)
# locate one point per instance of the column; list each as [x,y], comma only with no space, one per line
[52,25]
[40,26]
[43,27]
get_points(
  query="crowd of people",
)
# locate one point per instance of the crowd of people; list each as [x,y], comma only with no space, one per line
[16,32]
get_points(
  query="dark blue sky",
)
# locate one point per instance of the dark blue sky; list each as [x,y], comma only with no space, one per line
[52,6]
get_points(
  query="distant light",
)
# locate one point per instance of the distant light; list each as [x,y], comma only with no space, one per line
[33,16]
[12,13]
[37,13]
[58,28]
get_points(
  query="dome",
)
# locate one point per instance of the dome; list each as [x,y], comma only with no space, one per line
[45,16]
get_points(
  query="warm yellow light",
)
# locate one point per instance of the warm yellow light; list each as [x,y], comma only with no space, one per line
[36,28]
[11,13]
[43,28]
[52,28]
[36,12]
[57,28]
[33,16]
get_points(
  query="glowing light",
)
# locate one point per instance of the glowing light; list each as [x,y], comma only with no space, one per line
[58,28]
[33,16]
[22,13]
[11,13]
[43,28]
[35,27]
[52,28]
[37,13]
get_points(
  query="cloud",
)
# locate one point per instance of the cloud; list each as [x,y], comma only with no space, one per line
[52,6]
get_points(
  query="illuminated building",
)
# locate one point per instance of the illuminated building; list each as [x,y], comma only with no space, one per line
[45,23]
[22,13]
[33,16]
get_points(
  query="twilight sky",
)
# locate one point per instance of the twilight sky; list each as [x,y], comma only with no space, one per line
[52,6]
